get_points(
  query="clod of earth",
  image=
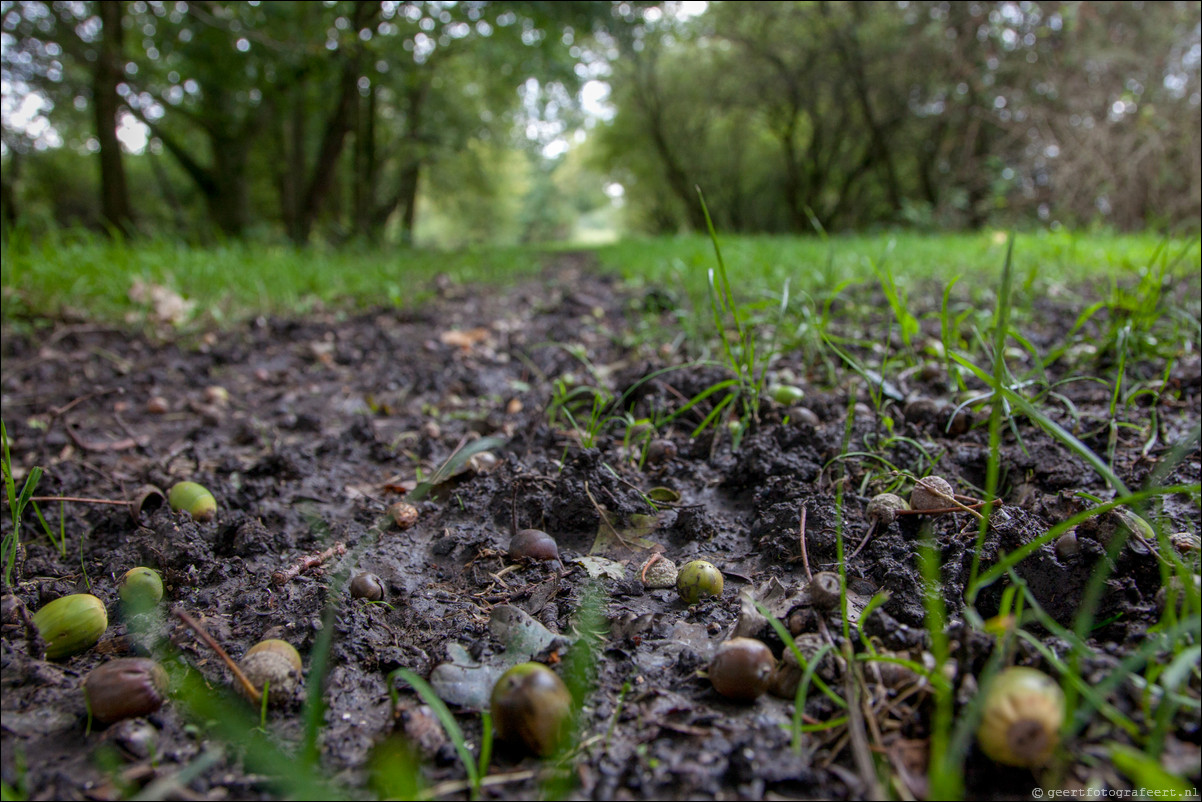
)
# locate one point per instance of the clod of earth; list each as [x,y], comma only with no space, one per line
[883,508]
[194,499]
[932,493]
[126,687]
[742,669]
[531,705]
[658,572]
[71,624]
[1020,724]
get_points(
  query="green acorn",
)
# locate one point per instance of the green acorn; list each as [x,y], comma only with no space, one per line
[141,588]
[193,498]
[71,624]
[698,580]
[1020,726]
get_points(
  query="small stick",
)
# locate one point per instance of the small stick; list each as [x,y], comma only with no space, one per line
[867,536]
[80,500]
[801,529]
[116,445]
[194,625]
[286,575]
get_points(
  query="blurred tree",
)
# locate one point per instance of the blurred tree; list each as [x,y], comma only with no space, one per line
[92,36]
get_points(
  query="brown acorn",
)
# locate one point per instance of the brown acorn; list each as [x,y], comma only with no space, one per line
[126,687]
[533,544]
[367,586]
[742,669]
[531,705]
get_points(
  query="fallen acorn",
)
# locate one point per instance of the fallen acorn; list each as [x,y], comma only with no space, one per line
[531,705]
[403,514]
[194,499]
[533,544]
[141,588]
[71,624]
[742,669]
[1020,723]
[697,580]
[126,687]
[367,586]
[276,664]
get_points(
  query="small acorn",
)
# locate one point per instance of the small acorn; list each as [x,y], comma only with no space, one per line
[533,544]
[824,590]
[403,514]
[71,624]
[141,589]
[742,669]
[926,494]
[884,507]
[785,394]
[126,687]
[193,498]
[531,705]
[698,580]
[1020,725]
[275,663]
[1067,545]
[367,586]
[659,451]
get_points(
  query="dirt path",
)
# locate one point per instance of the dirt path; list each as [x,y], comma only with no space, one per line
[307,430]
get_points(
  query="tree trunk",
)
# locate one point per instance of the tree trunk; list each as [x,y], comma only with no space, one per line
[337,125]
[114,194]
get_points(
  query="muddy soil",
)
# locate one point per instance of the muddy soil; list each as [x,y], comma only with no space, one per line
[307,430]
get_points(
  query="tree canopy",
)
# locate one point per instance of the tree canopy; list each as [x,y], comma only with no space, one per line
[341,119]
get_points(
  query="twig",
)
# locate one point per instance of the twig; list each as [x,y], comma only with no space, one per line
[805,556]
[116,445]
[867,536]
[286,575]
[44,499]
[194,625]
[605,518]
[860,750]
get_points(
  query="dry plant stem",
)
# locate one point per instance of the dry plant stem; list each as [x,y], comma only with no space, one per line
[805,557]
[605,518]
[195,626]
[867,536]
[860,750]
[44,499]
[116,445]
[286,575]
